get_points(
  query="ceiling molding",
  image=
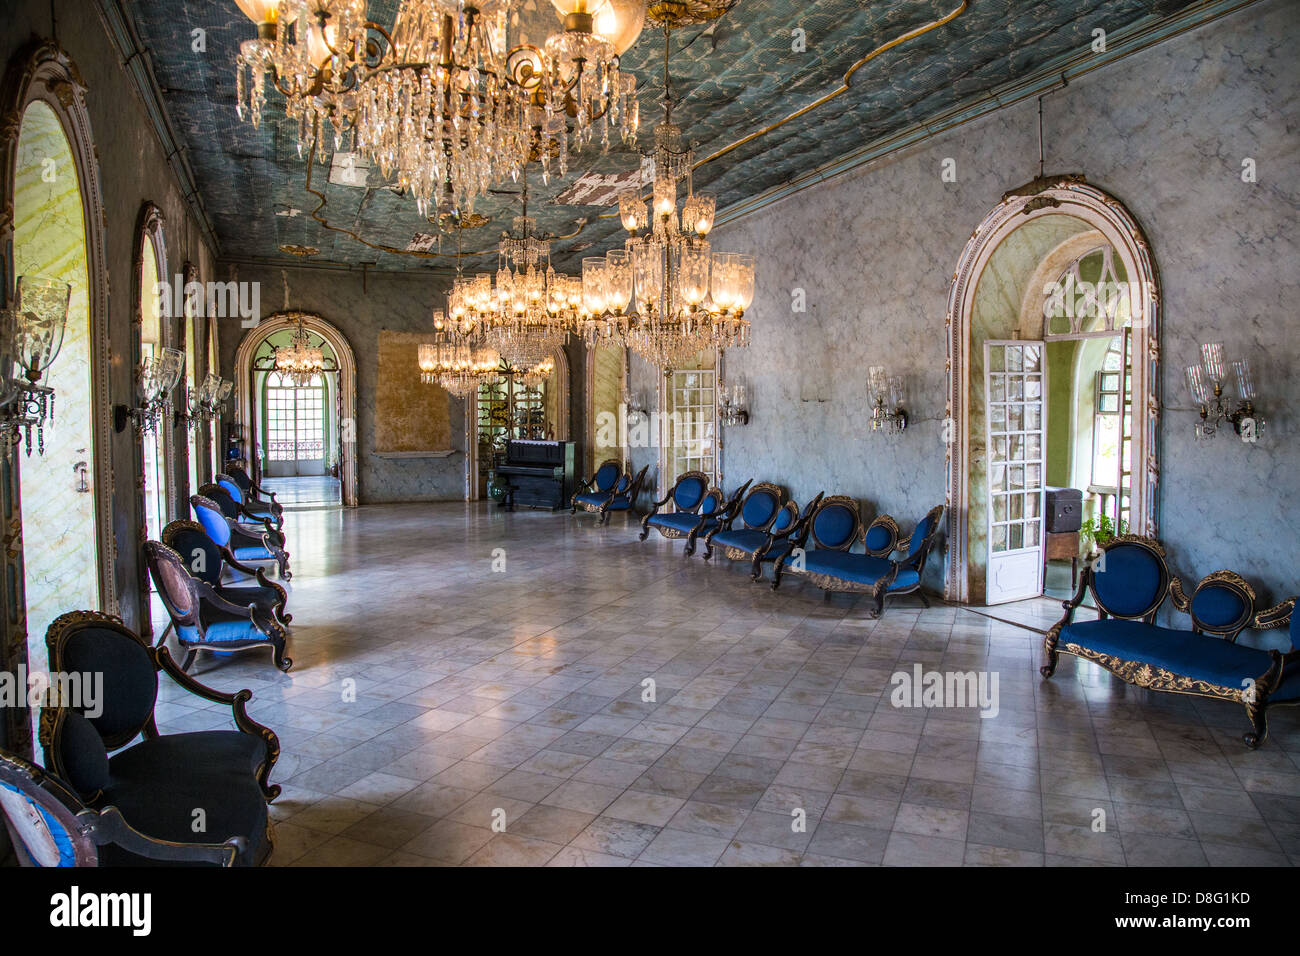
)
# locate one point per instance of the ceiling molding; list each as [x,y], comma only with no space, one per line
[135,61]
[1051,77]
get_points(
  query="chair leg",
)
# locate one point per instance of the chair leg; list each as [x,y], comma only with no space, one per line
[162,638]
[924,600]
[1258,714]
[282,662]
[755,568]
[1050,655]
[189,659]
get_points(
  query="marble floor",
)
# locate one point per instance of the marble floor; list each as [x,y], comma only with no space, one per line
[306,491]
[499,664]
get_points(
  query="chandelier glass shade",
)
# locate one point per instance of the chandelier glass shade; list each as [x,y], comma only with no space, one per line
[441,103]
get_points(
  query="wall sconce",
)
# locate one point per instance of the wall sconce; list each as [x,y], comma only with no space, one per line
[158,376]
[635,412]
[888,399]
[1209,384]
[731,405]
[204,403]
[31,334]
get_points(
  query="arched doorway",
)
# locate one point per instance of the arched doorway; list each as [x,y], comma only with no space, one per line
[1006,316]
[339,402]
[58,504]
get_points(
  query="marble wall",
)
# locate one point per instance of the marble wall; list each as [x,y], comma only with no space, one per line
[1166,131]
[132,169]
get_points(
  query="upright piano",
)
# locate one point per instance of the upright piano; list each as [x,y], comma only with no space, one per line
[537,473]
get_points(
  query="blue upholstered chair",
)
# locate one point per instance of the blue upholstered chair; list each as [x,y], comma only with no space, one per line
[624,495]
[744,529]
[236,512]
[875,573]
[207,561]
[49,826]
[244,544]
[691,504]
[253,492]
[204,620]
[155,783]
[594,492]
[251,506]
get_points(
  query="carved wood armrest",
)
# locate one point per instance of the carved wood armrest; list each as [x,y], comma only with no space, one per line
[108,826]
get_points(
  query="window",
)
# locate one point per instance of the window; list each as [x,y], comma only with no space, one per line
[692,422]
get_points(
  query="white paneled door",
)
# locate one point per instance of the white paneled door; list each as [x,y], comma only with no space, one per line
[1015,384]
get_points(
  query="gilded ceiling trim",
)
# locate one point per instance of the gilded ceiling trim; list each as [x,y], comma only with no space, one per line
[845,84]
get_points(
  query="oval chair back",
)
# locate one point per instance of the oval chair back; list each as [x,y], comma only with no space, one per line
[881,537]
[607,475]
[1131,579]
[1222,604]
[240,477]
[212,518]
[689,491]
[202,556]
[40,813]
[232,488]
[712,503]
[785,518]
[761,506]
[175,586]
[223,498]
[92,642]
[836,523]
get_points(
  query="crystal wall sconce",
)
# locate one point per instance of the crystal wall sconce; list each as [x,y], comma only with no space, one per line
[158,376]
[731,405]
[887,398]
[205,403]
[1210,384]
[635,412]
[31,334]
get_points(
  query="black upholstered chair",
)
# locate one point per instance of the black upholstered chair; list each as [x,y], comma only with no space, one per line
[244,544]
[156,782]
[249,504]
[253,492]
[236,512]
[594,493]
[204,620]
[49,825]
[207,561]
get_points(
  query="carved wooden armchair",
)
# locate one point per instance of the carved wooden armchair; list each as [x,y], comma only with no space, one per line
[250,505]
[696,509]
[237,513]
[207,561]
[148,793]
[243,543]
[624,495]
[253,492]
[756,513]
[593,493]
[205,620]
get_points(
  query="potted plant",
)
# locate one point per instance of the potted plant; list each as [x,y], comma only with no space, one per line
[1099,529]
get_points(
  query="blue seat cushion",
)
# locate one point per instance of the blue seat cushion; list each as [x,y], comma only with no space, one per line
[1198,656]
[744,539]
[160,782]
[857,568]
[596,498]
[221,628]
[252,553]
[620,503]
[678,520]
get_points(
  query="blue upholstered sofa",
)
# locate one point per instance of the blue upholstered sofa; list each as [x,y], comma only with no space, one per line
[1129,583]
[763,535]
[830,564]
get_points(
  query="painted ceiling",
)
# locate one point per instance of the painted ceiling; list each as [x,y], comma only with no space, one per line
[730,79]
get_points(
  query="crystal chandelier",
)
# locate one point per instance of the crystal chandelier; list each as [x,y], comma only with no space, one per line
[458,366]
[440,103]
[685,297]
[528,309]
[299,361]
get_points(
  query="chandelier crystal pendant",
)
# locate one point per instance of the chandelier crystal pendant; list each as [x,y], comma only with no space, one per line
[441,104]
